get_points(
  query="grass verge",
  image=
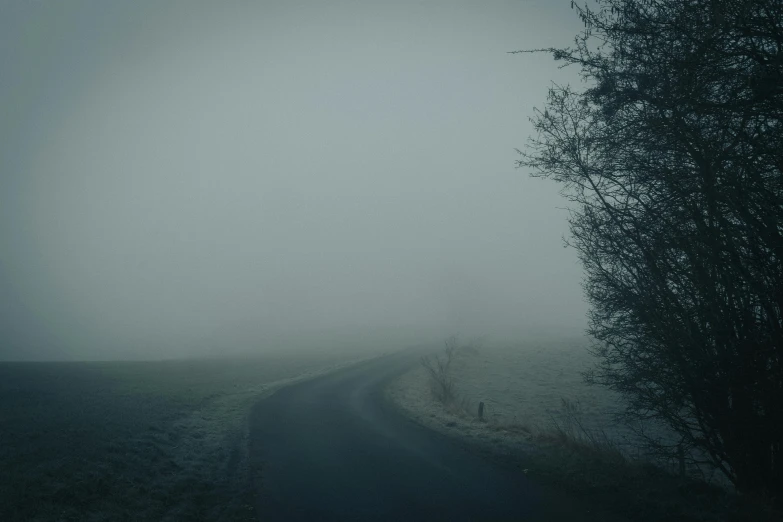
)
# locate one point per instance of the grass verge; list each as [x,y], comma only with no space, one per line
[586,467]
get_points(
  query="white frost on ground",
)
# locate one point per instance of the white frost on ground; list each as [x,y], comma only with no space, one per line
[522,386]
[412,394]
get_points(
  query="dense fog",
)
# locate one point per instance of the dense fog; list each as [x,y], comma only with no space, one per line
[181,179]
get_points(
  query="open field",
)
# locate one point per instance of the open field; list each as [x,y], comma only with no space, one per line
[523,386]
[136,440]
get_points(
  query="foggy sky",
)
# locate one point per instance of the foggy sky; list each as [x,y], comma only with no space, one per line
[178,178]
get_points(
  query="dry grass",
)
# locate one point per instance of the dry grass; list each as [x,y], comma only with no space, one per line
[634,490]
[576,457]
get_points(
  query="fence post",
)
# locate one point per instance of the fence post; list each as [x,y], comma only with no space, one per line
[481,410]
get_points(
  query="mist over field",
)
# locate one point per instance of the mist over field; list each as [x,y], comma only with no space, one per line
[189,178]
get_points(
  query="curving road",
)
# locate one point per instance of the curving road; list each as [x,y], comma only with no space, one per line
[333,449]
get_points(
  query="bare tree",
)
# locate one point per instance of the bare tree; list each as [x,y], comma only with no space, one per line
[438,367]
[672,159]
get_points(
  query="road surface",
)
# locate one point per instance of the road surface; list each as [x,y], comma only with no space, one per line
[333,449]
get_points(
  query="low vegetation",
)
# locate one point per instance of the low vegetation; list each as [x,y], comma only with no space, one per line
[587,464]
[591,466]
[438,367]
[132,440]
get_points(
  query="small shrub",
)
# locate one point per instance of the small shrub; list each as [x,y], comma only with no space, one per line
[438,367]
[570,431]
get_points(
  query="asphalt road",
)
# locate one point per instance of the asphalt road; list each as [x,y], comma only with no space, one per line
[333,449]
